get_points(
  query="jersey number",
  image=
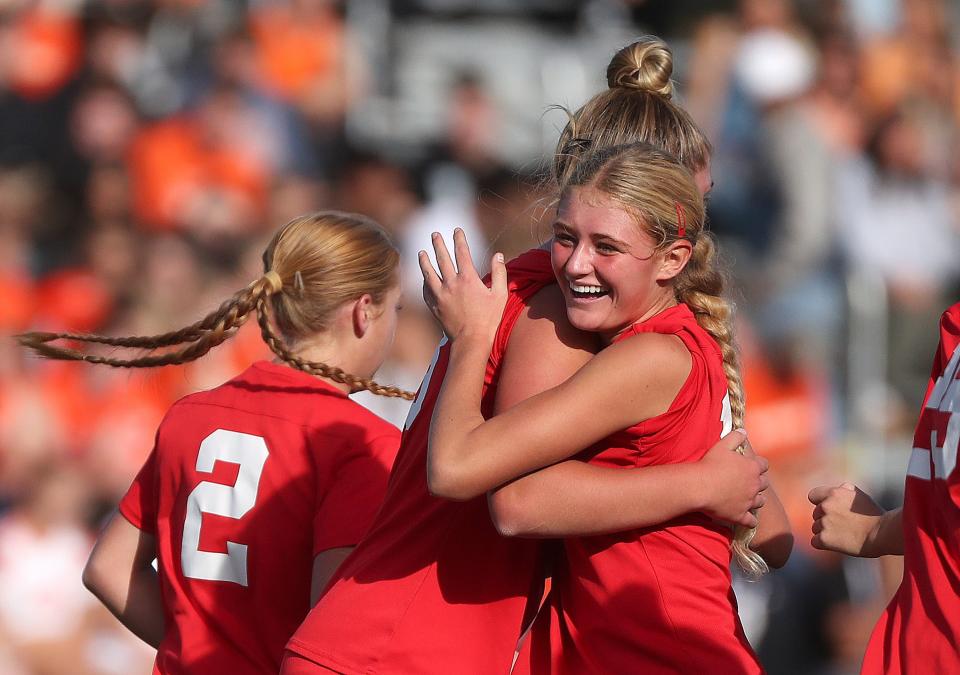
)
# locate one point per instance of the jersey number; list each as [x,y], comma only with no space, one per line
[231,501]
[945,399]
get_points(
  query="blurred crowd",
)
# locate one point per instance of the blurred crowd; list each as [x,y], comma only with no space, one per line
[147,149]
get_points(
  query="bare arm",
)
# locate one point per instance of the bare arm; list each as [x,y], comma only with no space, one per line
[120,573]
[574,498]
[468,456]
[324,566]
[773,539]
[847,520]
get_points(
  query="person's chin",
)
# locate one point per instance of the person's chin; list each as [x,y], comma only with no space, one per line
[585,321]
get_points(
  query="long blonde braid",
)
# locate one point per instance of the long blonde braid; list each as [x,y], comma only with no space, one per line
[701,286]
[653,185]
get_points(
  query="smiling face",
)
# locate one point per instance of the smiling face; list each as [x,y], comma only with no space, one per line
[608,268]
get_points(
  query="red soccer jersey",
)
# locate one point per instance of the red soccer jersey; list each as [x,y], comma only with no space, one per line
[920,630]
[433,588]
[659,599]
[247,482]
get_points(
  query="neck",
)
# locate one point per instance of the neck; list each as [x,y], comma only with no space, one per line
[323,349]
[665,302]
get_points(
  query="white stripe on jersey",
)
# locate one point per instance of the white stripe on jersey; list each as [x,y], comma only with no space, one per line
[919,466]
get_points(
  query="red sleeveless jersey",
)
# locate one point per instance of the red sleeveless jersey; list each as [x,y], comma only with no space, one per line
[433,588]
[247,482]
[920,630]
[659,599]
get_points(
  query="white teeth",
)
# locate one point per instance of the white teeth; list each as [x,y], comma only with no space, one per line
[596,290]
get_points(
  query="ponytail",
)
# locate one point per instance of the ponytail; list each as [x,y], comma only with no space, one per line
[328,258]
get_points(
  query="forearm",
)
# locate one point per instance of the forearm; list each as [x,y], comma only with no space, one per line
[456,414]
[773,539]
[886,538]
[574,498]
[121,574]
[135,601]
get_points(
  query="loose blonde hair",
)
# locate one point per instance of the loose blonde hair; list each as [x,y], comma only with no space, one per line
[661,194]
[312,265]
[635,108]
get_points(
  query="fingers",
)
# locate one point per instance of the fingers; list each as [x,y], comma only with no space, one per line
[759,501]
[818,494]
[462,251]
[731,441]
[822,492]
[498,274]
[444,262]
[764,464]
[431,282]
[749,520]
[764,482]
[817,527]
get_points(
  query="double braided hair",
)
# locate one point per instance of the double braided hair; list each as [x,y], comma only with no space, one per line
[313,264]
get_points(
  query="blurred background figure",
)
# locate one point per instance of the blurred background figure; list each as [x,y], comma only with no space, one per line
[146,147]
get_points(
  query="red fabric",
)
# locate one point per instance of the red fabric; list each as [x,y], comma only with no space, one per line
[294,664]
[321,483]
[659,599]
[920,630]
[433,588]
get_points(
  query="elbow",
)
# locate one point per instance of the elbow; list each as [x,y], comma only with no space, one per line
[446,482]
[94,577]
[509,514]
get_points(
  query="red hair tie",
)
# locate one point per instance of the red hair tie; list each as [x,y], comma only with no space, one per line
[681,222]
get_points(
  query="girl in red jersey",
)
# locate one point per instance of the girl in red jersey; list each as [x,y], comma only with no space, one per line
[433,587]
[919,631]
[256,490]
[636,267]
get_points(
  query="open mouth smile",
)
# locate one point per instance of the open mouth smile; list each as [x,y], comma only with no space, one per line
[588,291]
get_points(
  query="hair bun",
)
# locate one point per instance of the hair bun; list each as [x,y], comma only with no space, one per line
[645,65]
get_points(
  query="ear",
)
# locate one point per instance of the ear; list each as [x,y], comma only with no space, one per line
[675,258]
[362,314]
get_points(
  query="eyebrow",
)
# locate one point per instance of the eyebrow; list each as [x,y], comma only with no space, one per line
[605,238]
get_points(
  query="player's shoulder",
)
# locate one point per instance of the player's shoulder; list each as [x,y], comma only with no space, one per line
[544,324]
[950,320]
[369,423]
[666,359]
[529,270]
[268,391]
[659,347]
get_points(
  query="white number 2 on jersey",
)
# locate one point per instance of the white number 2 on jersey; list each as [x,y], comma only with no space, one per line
[232,501]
